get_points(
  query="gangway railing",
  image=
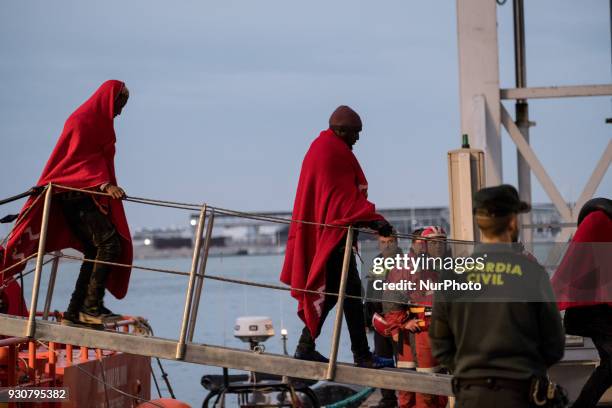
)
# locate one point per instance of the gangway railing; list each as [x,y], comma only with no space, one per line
[184,349]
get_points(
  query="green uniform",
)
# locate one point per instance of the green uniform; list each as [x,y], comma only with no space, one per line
[510,330]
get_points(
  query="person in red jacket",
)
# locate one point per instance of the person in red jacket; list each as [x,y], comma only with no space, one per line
[397,323]
[332,190]
[96,225]
[583,286]
[408,323]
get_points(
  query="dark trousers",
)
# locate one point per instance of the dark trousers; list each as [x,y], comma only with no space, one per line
[383,347]
[100,242]
[480,397]
[353,308]
[594,322]
[601,379]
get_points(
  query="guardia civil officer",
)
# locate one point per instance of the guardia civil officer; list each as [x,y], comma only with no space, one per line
[499,341]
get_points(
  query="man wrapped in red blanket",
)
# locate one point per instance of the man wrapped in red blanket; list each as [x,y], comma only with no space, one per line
[332,190]
[583,286]
[83,158]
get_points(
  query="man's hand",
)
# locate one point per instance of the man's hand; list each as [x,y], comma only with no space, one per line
[383,227]
[412,326]
[115,191]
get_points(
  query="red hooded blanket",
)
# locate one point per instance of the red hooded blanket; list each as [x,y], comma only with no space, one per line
[584,275]
[83,158]
[332,190]
[10,296]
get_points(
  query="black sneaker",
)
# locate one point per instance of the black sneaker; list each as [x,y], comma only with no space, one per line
[374,361]
[312,355]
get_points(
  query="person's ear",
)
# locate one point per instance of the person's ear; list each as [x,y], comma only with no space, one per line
[513,225]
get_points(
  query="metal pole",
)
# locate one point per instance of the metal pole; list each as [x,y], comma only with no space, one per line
[51,287]
[519,43]
[331,368]
[200,278]
[609,120]
[180,347]
[42,241]
[522,115]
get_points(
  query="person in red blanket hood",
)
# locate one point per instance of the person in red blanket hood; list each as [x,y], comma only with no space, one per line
[93,224]
[332,189]
[583,286]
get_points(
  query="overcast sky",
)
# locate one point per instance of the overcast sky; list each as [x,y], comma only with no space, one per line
[226,96]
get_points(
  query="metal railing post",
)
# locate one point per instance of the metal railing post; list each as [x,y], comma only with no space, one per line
[13,351]
[52,362]
[69,356]
[51,286]
[200,277]
[32,359]
[42,241]
[180,346]
[333,354]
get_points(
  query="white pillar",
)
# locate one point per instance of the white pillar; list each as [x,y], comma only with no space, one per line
[479,81]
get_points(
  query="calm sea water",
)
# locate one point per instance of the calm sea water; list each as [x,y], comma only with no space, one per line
[160,297]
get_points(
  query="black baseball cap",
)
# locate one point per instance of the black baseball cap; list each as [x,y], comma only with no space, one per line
[499,201]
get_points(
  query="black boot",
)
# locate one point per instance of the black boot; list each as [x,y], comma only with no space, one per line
[109,316]
[91,312]
[71,315]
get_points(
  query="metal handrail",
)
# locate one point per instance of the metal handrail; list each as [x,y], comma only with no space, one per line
[196,275]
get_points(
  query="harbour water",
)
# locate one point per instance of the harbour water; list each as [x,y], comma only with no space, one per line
[160,297]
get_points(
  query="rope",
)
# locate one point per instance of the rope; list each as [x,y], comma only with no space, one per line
[280,220]
[125,394]
[13,278]
[103,382]
[103,375]
[21,217]
[253,216]
[24,260]
[164,374]
[236,281]
[155,381]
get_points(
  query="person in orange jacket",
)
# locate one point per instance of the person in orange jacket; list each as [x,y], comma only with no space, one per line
[434,247]
[406,317]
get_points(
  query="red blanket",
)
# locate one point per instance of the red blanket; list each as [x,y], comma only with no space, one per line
[584,277]
[332,189]
[83,158]
[10,295]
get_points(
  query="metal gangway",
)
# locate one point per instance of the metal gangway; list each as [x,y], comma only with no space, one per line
[184,349]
